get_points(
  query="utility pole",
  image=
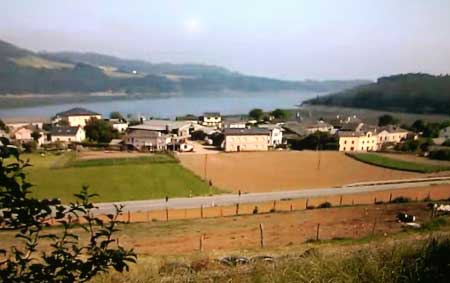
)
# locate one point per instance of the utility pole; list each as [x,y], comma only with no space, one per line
[205,167]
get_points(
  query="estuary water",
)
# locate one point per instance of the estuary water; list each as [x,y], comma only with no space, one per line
[175,105]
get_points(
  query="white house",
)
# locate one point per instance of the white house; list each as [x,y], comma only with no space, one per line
[391,134]
[16,123]
[211,119]
[168,127]
[119,124]
[276,134]
[445,133]
[67,134]
[76,116]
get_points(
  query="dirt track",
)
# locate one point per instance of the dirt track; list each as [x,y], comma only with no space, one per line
[282,230]
[286,170]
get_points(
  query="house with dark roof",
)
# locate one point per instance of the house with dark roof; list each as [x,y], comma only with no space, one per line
[146,140]
[67,134]
[253,139]
[76,116]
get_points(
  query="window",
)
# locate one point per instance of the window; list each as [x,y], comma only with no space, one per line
[345,142]
[353,142]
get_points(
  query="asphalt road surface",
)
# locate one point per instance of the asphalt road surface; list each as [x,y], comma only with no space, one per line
[232,199]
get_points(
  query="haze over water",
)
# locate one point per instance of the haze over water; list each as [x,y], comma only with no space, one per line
[170,107]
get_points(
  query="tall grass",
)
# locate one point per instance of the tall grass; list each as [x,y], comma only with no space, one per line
[427,261]
[390,163]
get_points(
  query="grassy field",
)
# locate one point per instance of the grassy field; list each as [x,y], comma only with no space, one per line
[113,179]
[386,162]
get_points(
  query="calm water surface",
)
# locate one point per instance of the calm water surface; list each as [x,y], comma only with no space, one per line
[172,106]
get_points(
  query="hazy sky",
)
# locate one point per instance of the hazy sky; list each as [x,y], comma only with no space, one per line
[291,39]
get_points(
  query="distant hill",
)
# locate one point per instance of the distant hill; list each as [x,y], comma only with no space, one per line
[24,71]
[417,93]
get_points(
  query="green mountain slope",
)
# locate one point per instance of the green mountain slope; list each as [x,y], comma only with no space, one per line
[418,93]
[23,71]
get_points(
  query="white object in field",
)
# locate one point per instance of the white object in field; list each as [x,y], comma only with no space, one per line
[186,147]
[443,207]
[412,225]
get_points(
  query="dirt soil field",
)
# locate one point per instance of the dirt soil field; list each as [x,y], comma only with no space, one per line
[416,159]
[281,230]
[286,170]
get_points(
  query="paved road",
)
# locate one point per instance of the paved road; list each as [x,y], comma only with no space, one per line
[231,199]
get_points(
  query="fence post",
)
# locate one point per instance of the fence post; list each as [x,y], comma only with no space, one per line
[167,213]
[317,233]
[221,212]
[374,225]
[129,216]
[340,201]
[306,204]
[237,208]
[261,232]
[374,200]
[202,238]
[390,197]
[274,205]
[201,211]
[292,207]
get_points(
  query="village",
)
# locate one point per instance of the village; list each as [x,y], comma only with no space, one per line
[78,127]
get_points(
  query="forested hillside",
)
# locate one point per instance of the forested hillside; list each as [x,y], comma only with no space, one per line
[418,93]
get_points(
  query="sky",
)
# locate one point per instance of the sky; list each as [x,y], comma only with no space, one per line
[287,39]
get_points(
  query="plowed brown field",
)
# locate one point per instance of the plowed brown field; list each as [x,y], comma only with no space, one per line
[286,170]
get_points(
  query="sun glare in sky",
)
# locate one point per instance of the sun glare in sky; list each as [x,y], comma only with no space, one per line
[192,25]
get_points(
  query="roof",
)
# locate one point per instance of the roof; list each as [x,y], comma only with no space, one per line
[143,134]
[77,111]
[348,134]
[352,126]
[393,129]
[64,131]
[247,132]
[295,127]
[25,120]
[211,114]
[160,125]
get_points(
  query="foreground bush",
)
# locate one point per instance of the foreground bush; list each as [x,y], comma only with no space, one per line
[66,259]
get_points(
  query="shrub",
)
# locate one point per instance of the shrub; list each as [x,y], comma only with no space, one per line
[310,207]
[255,210]
[324,205]
[440,154]
[401,199]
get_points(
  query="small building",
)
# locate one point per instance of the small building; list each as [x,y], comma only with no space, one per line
[180,129]
[16,123]
[234,123]
[445,133]
[357,141]
[254,139]
[391,134]
[320,126]
[276,134]
[67,134]
[146,140]
[121,125]
[76,116]
[211,119]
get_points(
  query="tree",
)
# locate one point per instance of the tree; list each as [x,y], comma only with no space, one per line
[36,135]
[256,114]
[116,115]
[279,114]
[418,126]
[65,258]
[385,120]
[3,126]
[100,131]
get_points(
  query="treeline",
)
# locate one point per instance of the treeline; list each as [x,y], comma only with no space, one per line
[417,93]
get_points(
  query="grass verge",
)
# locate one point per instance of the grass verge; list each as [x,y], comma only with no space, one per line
[390,163]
